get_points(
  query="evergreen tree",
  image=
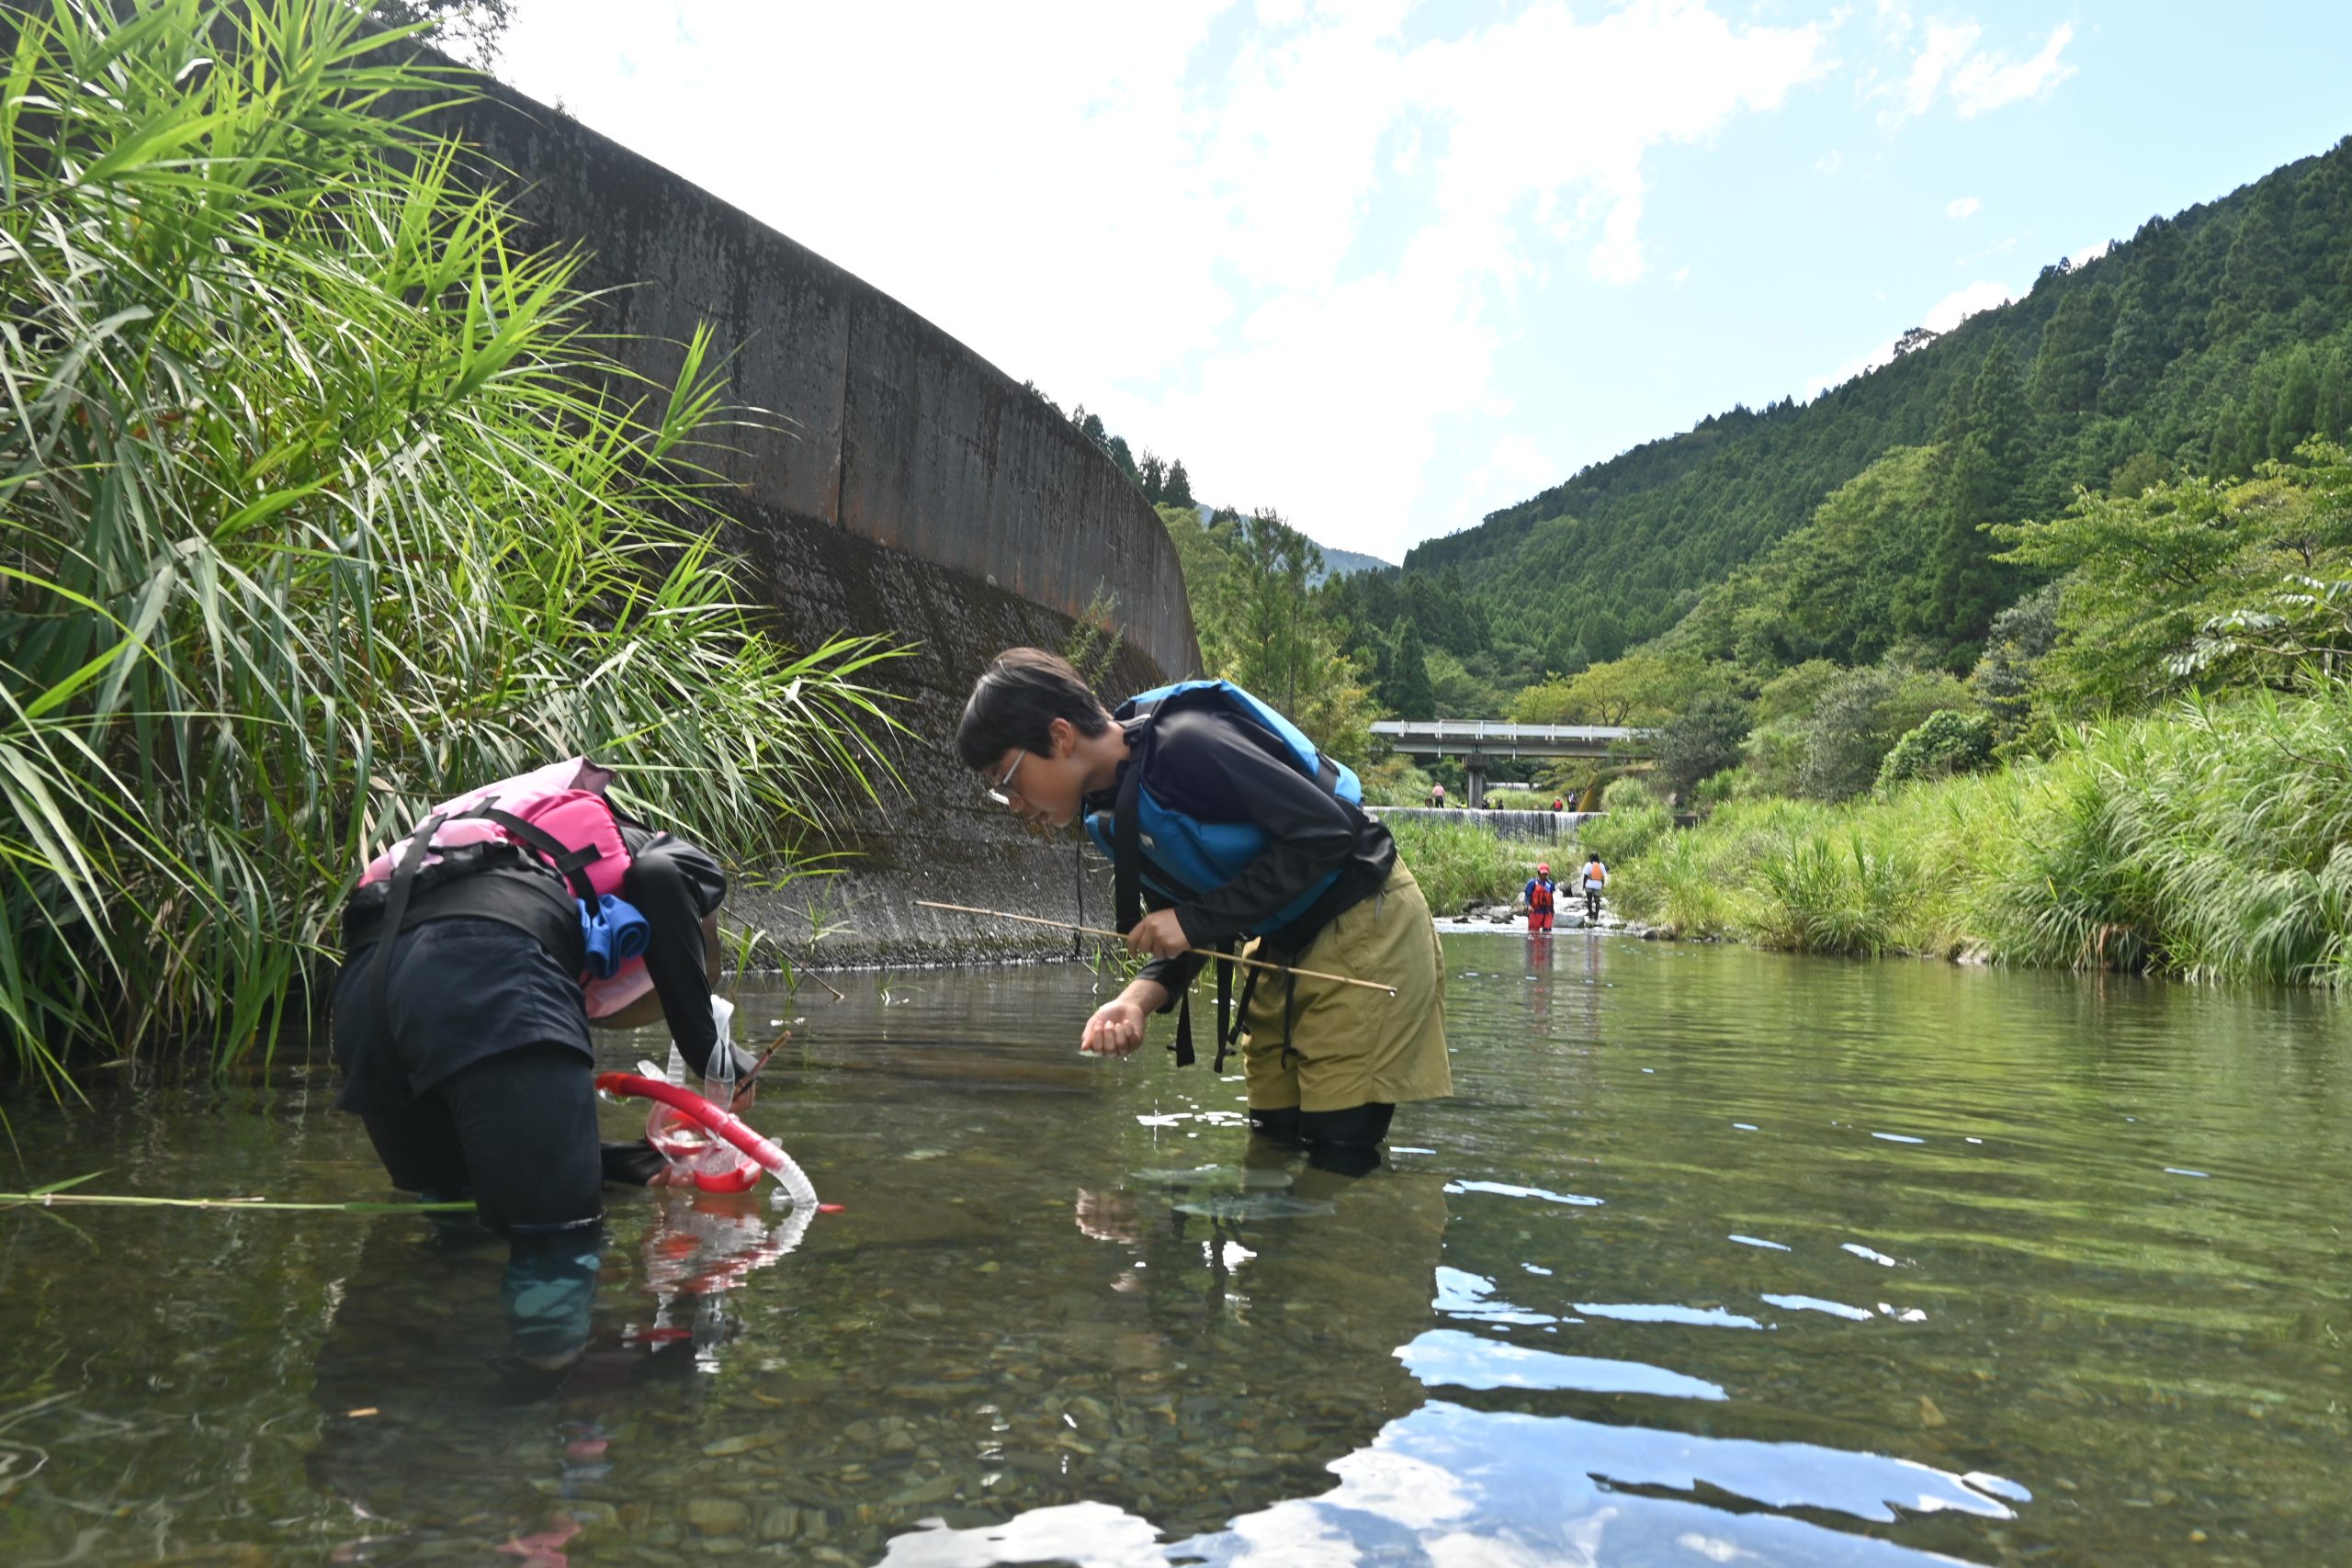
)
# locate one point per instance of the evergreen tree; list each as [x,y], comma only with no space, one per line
[2067,372]
[2256,281]
[2142,342]
[1988,443]
[2332,405]
[1178,490]
[1409,693]
[2294,412]
[1154,477]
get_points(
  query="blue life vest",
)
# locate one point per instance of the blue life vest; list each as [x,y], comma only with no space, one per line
[1181,856]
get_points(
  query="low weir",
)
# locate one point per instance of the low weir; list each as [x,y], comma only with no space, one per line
[1545,826]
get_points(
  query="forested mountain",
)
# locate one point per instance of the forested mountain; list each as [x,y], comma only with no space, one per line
[2207,342]
[1347,563]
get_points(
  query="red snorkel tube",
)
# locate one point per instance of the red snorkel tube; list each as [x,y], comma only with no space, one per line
[758,1152]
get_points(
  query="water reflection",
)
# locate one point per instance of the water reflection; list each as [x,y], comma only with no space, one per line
[1647,1290]
[1447,1485]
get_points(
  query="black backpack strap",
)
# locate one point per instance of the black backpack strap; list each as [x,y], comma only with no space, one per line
[1126,852]
[380,968]
[1228,1025]
[569,863]
[1183,1043]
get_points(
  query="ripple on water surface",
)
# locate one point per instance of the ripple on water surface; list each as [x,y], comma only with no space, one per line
[1716,1257]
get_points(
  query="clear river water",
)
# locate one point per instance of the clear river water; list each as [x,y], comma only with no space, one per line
[1717,1257]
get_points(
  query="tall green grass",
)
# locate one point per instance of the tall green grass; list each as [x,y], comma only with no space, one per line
[2210,841]
[1459,864]
[322,500]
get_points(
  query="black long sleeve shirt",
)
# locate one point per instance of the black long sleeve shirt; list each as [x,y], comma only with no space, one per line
[1219,767]
[675,885]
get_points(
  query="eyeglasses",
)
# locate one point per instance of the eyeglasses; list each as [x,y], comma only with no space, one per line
[1001,792]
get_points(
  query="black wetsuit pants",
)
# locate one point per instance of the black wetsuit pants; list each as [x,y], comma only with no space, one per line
[514,1132]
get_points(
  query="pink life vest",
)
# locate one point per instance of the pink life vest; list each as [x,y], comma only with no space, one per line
[557,813]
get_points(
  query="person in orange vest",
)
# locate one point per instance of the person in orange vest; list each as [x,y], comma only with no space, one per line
[1593,878]
[1539,893]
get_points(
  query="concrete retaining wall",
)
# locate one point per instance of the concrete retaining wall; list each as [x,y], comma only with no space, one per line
[894,431]
[917,492]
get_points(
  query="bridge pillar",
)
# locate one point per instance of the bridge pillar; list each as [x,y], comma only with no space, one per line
[1473,768]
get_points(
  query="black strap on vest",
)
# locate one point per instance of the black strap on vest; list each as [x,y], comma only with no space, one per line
[380,971]
[1126,850]
[1126,885]
[571,864]
[1127,880]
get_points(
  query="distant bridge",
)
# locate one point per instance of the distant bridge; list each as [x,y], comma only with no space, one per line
[1475,740]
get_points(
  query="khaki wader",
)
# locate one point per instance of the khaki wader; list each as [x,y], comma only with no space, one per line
[1324,1046]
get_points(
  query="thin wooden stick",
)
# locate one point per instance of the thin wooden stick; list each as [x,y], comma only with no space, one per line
[49,1200]
[1204,952]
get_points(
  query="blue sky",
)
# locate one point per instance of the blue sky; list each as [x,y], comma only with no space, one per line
[1387,266]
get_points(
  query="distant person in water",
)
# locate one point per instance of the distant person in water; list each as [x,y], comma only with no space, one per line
[1592,879]
[1226,827]
[1538,895]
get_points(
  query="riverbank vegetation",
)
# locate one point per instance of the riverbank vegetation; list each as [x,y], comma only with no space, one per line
[323,499]
[2211,840]
[1461,863]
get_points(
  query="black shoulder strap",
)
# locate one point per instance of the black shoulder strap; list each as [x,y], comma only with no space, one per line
[569,863]
[380,968]
[1126,850]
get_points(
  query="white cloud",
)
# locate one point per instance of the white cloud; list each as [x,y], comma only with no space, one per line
[1942,316]
[1303,235]
[1997,248]
[1962,207]
[1949,63]
[1962,303]
[1947,47]
[1830,163]
[1987,82]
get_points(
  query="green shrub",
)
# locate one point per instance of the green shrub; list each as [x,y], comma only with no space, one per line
[1946,742]
[1459,863]
[2213,842]
[1632,820]
[322,501]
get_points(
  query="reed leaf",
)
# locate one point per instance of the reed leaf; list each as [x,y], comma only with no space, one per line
[323,496]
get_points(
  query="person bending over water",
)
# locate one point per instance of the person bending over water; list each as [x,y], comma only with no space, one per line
[1221,818]
[465,1048]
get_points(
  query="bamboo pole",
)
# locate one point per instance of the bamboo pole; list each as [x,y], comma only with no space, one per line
[48,1199]
[1204,952]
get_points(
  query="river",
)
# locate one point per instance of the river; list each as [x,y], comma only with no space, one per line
[1716,1257]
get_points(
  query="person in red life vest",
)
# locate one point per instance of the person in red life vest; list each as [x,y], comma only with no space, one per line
[1558,806]
[1539,893]
[464,1042]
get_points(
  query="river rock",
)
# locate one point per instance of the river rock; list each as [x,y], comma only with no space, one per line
[718,1516]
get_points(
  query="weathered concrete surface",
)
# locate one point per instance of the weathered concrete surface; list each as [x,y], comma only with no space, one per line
[897,433]
[906,488]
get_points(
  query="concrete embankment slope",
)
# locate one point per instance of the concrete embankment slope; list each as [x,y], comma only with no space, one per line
[903,486]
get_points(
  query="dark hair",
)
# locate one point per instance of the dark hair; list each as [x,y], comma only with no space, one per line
[1016,702]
